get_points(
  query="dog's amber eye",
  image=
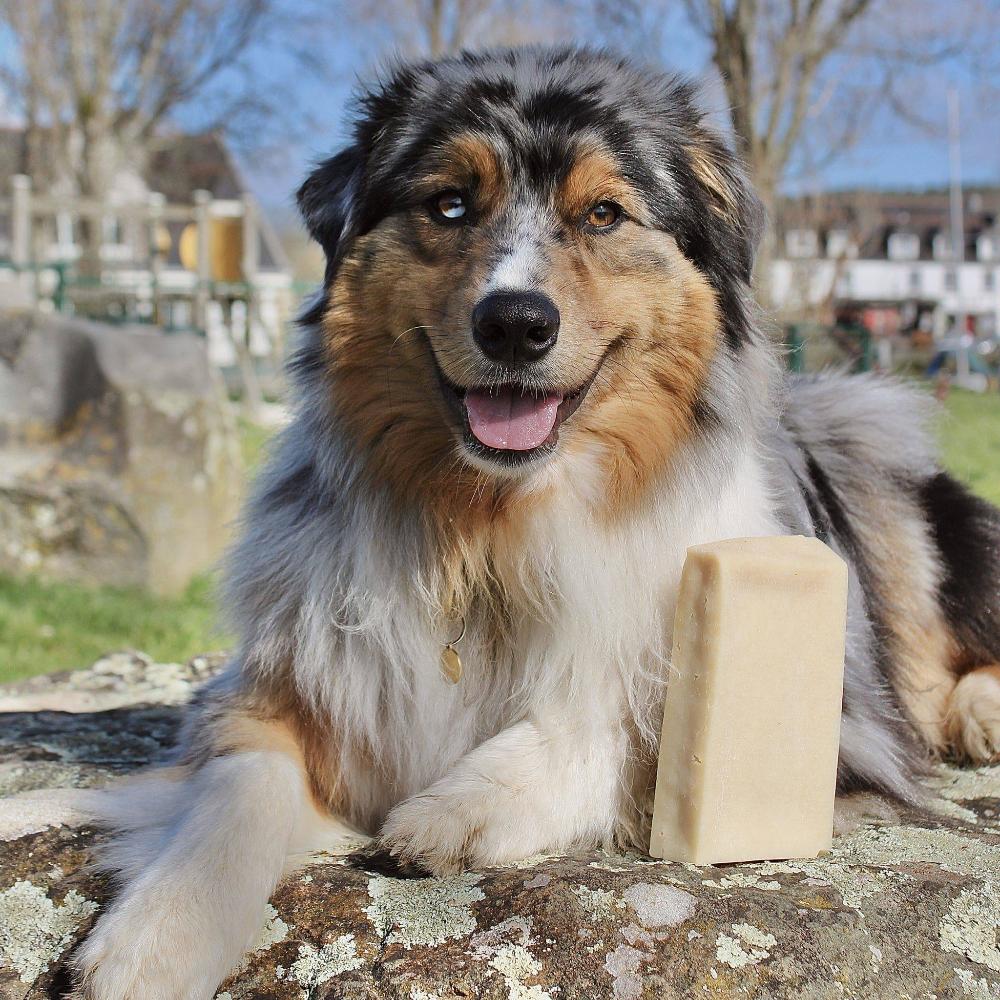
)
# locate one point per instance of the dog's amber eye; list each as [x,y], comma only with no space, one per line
[449,205]
[603,215]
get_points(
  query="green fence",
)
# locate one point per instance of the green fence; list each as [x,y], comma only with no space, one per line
[813,346]
[97,297]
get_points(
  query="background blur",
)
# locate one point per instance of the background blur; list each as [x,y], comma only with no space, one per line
[151,258]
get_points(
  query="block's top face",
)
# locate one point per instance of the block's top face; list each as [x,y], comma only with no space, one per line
[785,551]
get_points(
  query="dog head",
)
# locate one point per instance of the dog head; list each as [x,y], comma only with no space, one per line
[531,253]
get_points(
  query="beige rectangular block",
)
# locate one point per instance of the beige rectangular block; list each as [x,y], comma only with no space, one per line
[751,724]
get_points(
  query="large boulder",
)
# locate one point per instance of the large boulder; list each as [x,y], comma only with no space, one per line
[907,905]
[119,459]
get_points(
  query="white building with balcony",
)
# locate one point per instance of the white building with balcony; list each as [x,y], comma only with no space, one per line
[886,259]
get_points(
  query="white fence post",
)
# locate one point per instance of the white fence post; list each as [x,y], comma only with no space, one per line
[157,202]
[250,262]
[202,206]
[20,243]
[251,240]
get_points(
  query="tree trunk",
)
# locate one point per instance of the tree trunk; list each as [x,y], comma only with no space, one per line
[768,250]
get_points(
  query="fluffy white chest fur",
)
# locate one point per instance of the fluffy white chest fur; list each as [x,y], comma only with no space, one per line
[581,660]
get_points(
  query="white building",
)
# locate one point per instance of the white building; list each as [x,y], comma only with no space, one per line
[886,259]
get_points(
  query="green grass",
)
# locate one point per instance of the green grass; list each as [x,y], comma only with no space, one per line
[57,626]
[253,441]
[970,440]
[63,626]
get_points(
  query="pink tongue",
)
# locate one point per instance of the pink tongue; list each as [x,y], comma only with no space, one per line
[510,419]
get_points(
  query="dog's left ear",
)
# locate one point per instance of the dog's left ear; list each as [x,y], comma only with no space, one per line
[730,196]
[328,201]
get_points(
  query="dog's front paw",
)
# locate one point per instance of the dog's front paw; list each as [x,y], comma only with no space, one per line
[448,833]
[140,948]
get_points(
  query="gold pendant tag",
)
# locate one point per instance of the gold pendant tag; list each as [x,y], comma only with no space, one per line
[451,664]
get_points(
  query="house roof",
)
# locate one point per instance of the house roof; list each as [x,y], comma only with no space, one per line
[182,164]
[178,165]
[870,217]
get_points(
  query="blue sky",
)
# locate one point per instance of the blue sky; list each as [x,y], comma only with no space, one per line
[890,154]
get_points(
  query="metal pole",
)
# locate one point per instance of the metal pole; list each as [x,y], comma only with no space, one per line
[957,231]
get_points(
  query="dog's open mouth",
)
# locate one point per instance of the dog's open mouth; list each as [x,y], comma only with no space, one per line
[511,418]
[511,423]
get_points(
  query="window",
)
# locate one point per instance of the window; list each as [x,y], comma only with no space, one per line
[64,229]
[112,230]
[986,247]
[801,243]
[941,246]
[903,246]
[951,280]
[838,244]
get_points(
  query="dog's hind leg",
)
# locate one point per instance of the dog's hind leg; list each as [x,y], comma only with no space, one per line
[196,874]
[966,531]
[974,715]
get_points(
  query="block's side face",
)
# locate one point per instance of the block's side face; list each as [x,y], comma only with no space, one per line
[774,721]
[677,804]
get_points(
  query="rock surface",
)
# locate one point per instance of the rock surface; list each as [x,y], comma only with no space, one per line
[906,906]
[119,461]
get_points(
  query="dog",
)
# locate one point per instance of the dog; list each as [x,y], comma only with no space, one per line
[535,375]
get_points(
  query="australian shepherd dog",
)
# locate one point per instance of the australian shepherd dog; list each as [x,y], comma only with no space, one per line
[533,378]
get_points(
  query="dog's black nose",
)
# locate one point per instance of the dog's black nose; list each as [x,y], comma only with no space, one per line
[515,327]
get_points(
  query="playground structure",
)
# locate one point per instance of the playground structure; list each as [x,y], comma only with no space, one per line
[211,266]
[976,361]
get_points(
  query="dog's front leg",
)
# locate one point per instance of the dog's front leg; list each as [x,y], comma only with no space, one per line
[541,785]
[196,869]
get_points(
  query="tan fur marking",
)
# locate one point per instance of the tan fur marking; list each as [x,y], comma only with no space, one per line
[706,170]
[469,161]
[922,654]
[642,405]
[920,643]
[288,728]
[594,177]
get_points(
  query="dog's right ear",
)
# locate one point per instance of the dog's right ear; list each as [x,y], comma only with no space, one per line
[328,201]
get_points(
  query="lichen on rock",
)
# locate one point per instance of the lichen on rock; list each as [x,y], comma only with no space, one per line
[316,966]
[660,905]
[972,925]
[34,930]
[423,911]
[905,905]
[748,945]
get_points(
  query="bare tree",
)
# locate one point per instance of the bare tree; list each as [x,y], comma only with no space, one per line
[803,80]
[442,27]
[96,79]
